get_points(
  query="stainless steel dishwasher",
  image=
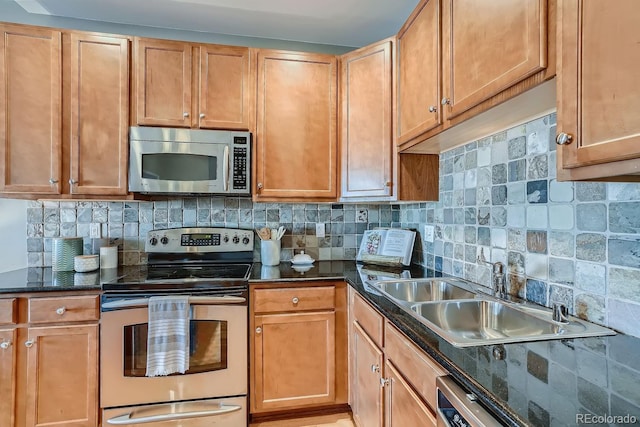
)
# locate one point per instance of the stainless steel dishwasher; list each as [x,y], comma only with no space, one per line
[457,408]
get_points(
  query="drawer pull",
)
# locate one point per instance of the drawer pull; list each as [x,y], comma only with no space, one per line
[61,310]
[295,300]
[28,344]
[5,345]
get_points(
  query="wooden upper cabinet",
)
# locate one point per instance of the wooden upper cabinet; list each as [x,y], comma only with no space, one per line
[163,82]
[419,72]
[598,95]
[30,110]
[366,138]
[225,87]
[99,115]
[296,137]
[489,47]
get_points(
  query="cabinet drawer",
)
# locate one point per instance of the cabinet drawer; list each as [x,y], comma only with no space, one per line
[418,368]
[8,311]
[368,318]
[294,299]
[64,309]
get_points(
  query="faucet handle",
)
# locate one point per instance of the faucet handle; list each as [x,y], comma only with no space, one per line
[560,313]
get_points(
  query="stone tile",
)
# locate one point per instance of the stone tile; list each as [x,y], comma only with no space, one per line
[471,178]
[516,216]
[623,283]
[537,191]
[561,271]
[537,241]
[561,294]
[516,239]
[537,142]
[471,159]
[536,291]
[499,174]
[499,195]
[623,316]
[517,170]
[561,217]
[561,243]
[517,147]
[623,191]
[591,216]
[499,238]
[624,218]
[537,216]
[538,366]
[590,191]
[591,277]
[592,397]
[515,263]
[484,216]
[625,382]
[470,197]
[499,151]
[538,167]
[484,156]
[590,307]
[498,216]
[536,265]
[591,247]
[515,193]
[560,191]
[625,252]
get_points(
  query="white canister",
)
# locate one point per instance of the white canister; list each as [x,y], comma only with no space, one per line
[109,257]
[270,252]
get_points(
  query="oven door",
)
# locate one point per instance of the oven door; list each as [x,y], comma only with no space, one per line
[179,167]
[217,363]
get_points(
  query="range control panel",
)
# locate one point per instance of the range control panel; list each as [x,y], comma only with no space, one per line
[199,239]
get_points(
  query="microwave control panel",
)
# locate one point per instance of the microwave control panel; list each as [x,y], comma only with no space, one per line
[240,178]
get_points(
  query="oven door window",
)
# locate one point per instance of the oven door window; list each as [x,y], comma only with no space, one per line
[179,167]
[207,349]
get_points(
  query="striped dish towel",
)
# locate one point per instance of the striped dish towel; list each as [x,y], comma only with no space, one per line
[168,335]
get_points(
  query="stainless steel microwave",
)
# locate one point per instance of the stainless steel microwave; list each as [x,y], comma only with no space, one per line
[189,161]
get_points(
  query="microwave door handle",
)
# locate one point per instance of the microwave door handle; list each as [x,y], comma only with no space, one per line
[195,300]
[128,419]
[225,168]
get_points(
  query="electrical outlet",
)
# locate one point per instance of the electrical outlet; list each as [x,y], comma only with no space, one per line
[320,229]
[429,233]
[95,231]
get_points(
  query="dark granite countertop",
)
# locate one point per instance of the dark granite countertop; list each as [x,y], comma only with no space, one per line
[37,279]
[555,382]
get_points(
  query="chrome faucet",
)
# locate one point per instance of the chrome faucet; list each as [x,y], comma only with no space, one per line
[497,276]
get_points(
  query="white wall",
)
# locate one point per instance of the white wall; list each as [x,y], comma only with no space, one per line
[13,229]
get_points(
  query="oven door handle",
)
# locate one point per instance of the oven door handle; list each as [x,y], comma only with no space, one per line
[195,300]
[130,418]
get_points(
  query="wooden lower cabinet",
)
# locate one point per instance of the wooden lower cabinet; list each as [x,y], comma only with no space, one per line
[390,386]
[297,346]
[49,372]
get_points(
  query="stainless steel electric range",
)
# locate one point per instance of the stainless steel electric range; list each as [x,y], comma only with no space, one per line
[212,267]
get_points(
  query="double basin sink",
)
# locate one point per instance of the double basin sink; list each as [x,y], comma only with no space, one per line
[465,316]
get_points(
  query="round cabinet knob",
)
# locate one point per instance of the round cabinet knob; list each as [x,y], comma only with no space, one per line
[53,181]
[73,181]
[28,343]
[185,115]
[295,300]
[5,345]
[563,138]
[258,330]
[387,184]
[384,382]
[259,186]
[60,311]
[245,240]
[202,115]
[445,101]
[153,241]
[432,109]
[164,240]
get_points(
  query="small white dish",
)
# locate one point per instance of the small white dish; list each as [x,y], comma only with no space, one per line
[84,263]
[302,259]
[302,268]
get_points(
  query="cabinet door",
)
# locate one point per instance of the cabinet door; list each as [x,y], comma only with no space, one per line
[598,96]
[294,360]
[225,87]
[296,126]
[489,47]
[7,377]
[163,83]
[62,376]
[30,110]
[99,115]
[366,138]
[403,406]
[367,391]
[418,72]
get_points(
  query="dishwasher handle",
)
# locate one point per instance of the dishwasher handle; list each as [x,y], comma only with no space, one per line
[457,408]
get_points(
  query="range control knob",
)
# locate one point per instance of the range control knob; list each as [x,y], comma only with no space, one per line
[225,239]
[236,239]
[153,241]
[164,240]
[245,240]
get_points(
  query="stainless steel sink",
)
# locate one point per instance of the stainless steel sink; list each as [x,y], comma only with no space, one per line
[484,321]
[411,291]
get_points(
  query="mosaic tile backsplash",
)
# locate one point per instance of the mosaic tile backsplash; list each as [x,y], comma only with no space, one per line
[572,242]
